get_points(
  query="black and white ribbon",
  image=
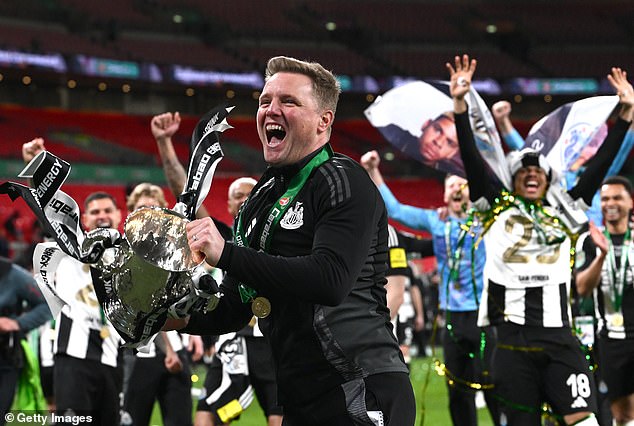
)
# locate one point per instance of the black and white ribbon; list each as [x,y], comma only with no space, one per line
[58,214]
[205,154]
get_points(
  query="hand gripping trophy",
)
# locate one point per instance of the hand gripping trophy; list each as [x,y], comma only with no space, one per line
[145,274]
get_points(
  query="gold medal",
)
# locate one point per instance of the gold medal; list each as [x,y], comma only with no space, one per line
[617,320]
[261,307]
[104,332]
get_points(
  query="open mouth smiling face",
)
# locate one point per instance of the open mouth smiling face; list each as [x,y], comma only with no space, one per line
[456,194]
[291,123]
[616,203]
[612,213]
[457,197]
[458,202]
[531,182]
[275,134]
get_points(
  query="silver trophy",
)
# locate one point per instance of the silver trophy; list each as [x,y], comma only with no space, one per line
[146,274]
[149,270]
[149,273]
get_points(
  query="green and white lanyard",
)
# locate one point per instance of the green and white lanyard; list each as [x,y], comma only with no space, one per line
[247,294]
[454,255]
[104,332]
[618,278]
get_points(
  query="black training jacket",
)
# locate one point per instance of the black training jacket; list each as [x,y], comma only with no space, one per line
[329,323]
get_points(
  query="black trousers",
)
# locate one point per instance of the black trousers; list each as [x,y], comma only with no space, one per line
[534,365]
[461,348]
[8,381]
[87,387]
[150,381]
[390,393]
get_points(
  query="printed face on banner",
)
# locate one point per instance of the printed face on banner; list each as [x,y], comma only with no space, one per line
[438,140]
[417,119]
[588,151]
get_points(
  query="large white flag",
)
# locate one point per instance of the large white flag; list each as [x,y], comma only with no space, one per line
[487,137]
[572,133]
[417,119]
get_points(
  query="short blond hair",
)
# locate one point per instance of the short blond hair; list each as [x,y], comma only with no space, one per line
[147,190]
[325,86]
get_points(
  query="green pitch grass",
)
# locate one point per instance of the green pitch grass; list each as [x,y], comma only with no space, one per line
[433,402]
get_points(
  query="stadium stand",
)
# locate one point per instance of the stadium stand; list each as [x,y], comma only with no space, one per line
[106,127]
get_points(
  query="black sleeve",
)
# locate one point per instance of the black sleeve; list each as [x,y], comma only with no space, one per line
[343,235]
[224,229]
[397,255]
[402,245]
[209,340]
[590,180]
[475,168]
[419,247]
[230,314]
[588,252]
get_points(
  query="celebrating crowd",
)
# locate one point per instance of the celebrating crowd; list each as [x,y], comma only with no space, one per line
[313,278]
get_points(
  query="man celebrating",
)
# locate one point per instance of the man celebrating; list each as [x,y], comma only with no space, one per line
[460,287]
[527,275]
[311,250]
[88,377]
[606,268]
[256,374]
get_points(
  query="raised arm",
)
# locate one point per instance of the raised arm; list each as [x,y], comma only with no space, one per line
[163,127]
[461,74]
[460,81]
[598,166]
[370,162]
[625,92]
[410,216]
[501,113]
[32,148]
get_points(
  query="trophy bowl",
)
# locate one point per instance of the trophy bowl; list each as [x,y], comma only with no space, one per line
[145,274]
[158,236]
